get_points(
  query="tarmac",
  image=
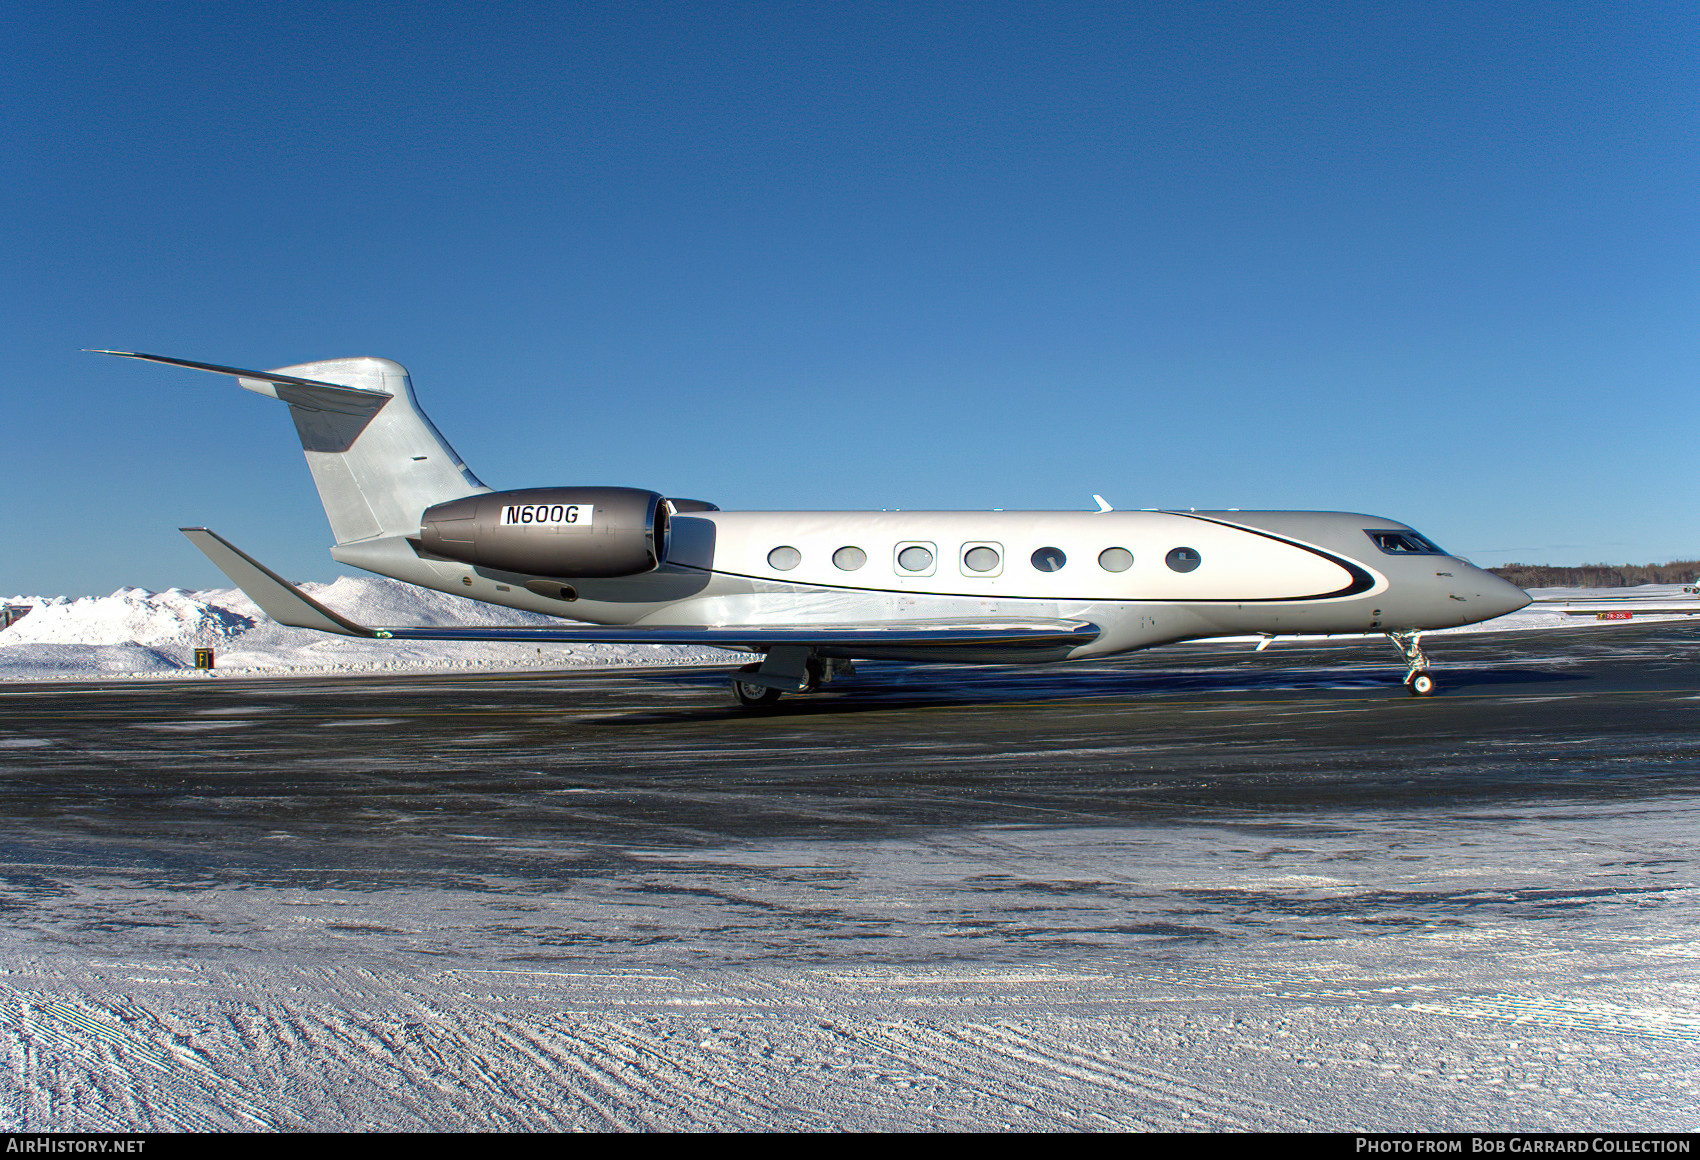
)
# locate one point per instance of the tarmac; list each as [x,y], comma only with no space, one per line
[669,760]
[1249,842]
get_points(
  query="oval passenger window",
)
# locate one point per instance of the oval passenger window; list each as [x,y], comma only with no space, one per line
[914,559]
[1115,559]
[1049,559]
[849,559]
[981,559]
[784,558]
[1183,559]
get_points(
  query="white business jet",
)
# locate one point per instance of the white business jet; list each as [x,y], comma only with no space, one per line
[809,592]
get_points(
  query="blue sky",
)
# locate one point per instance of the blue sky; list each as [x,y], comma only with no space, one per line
[1433,261]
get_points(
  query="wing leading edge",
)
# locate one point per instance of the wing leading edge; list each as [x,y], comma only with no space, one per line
[288,605]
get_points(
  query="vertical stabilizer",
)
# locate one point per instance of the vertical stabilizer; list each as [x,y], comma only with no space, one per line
[378,461]
[376,469]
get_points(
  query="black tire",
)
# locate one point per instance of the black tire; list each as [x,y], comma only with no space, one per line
[749,695]
[1422,684]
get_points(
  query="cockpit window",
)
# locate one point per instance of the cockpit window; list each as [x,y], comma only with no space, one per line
[1403,543]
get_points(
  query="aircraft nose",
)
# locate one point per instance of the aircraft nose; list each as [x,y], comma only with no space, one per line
[1498,595]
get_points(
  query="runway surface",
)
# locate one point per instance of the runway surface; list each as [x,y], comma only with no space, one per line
[1194,888]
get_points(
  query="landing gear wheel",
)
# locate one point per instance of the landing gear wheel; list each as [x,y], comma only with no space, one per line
[751,695]
[1410,646]
[811,676]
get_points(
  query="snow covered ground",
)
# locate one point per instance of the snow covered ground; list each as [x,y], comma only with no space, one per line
[1216,917]
[136,633]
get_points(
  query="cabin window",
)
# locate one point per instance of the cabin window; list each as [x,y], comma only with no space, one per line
[1115,559]
[784,558]
[1183,559]
[848,559]
[1049,559]
[982,558]
[1403,543]
[915,558]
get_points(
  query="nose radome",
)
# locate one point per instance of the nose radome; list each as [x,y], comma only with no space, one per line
[1498,596]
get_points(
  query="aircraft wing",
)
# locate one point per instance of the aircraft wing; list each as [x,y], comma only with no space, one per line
[288,605]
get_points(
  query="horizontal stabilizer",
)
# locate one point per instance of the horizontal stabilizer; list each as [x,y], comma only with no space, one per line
[288,605]
[302,392]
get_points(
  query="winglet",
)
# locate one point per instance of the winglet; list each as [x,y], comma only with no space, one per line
[277,597]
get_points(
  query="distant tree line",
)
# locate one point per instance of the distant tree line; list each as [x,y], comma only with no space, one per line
[1600,575]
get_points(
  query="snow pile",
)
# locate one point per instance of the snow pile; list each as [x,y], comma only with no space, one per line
[137,633]
[128,616]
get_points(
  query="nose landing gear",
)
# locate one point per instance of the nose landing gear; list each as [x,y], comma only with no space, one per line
[1418,680]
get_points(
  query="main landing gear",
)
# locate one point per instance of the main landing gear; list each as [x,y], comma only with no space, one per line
[749,694]
[786,669]
[1419,680]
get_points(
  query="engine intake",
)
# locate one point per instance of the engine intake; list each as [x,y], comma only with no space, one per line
[552,531]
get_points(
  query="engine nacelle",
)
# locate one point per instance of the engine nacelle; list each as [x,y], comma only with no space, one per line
[552,531]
